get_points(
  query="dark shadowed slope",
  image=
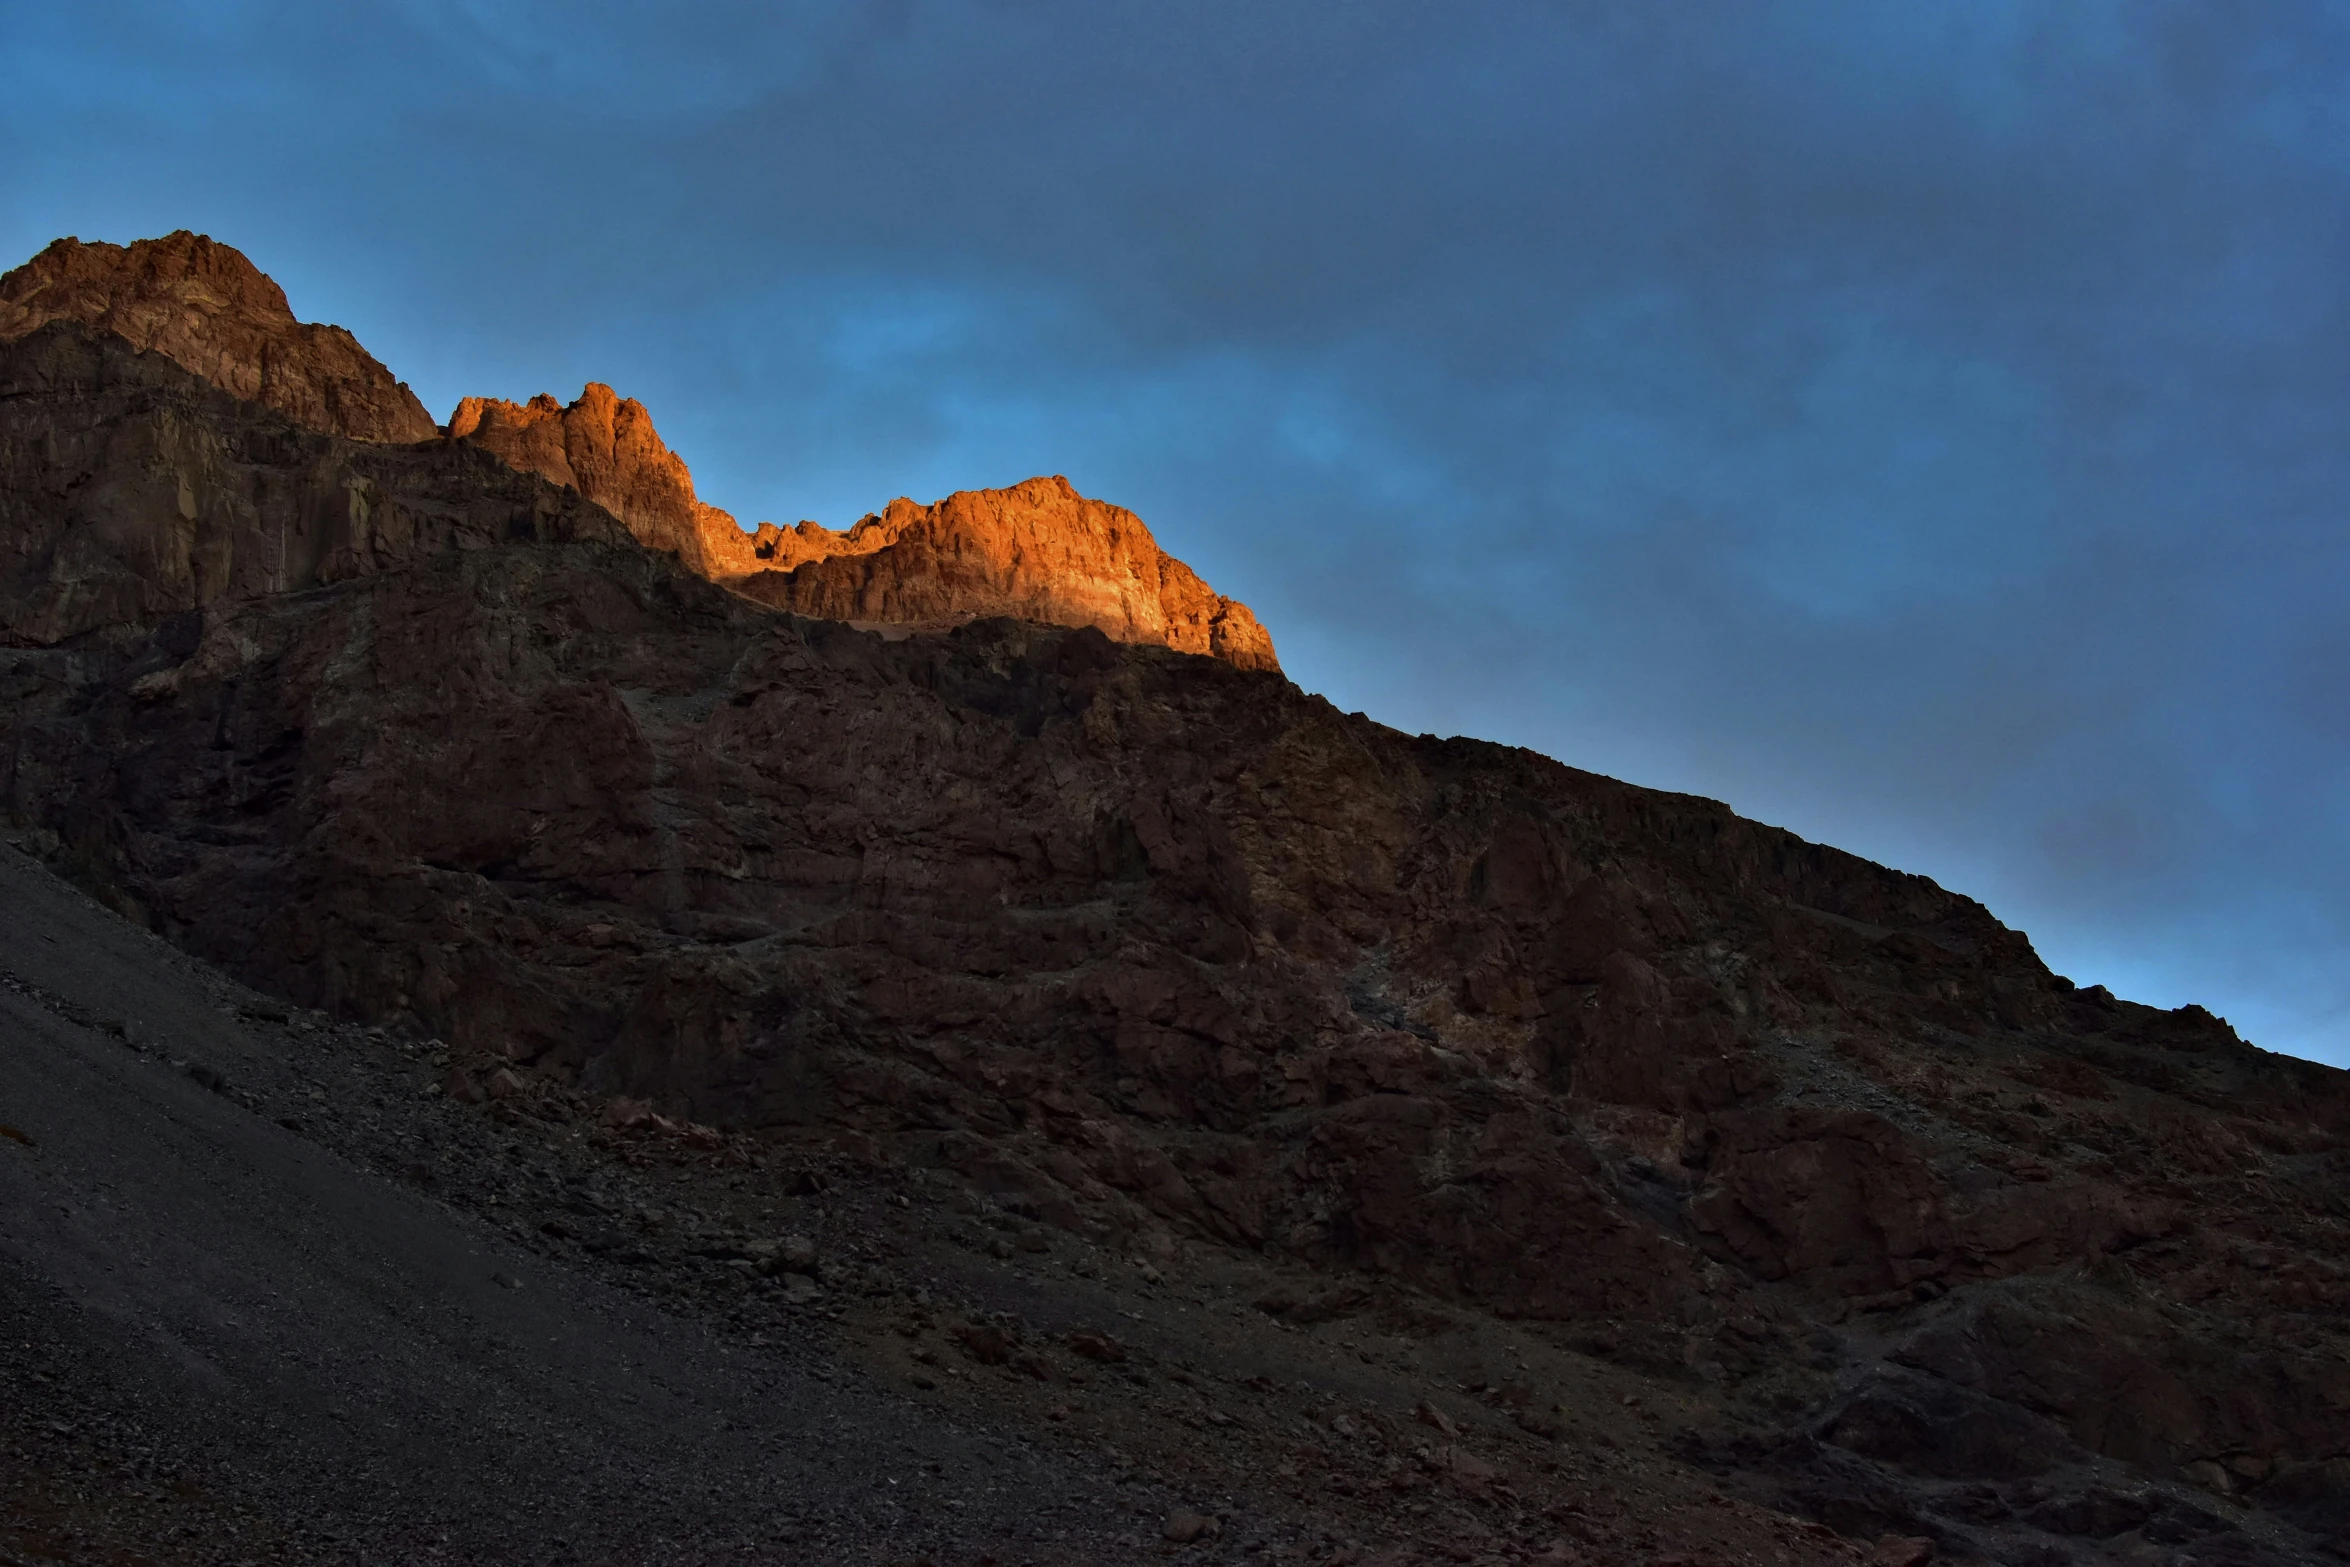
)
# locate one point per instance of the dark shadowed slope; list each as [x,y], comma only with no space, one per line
[214,1321]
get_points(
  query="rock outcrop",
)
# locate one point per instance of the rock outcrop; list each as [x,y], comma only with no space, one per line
[604,446]
[1037,551]
[1166,951]
[209,310]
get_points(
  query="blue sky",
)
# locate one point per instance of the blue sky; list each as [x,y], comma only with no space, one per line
[1926,427]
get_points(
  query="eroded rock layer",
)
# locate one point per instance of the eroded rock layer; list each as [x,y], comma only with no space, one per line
[209,310]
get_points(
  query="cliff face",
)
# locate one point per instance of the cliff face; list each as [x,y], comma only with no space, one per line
[211,311]
[132,492]
[605,447]
[1167,952]
[1037,551]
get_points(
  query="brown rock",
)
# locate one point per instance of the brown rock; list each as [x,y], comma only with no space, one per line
[206,308]
[605,447]
[984,1342]
[1803,1191]
[1037,551]
[460,1087]
[1467,1472]
[1184,1527]
[1902,1550]
[503,1084]
[1538,1422]
[1331,1304]
[622,1113]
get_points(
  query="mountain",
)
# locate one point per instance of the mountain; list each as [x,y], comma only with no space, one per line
[1037,551]
[1596,1141]
[210,311]
[135,494]
[605,447]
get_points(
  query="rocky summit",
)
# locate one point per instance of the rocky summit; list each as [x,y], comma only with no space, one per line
[209,310]
[945,962]
[1038,551]
[604,447]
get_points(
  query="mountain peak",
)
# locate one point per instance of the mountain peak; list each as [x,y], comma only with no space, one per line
[1037,550]
[604,446]
[206,307]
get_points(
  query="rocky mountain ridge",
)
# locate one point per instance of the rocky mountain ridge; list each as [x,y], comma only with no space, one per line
[209,310]
[1162,953]
[1036,551]
[604,447]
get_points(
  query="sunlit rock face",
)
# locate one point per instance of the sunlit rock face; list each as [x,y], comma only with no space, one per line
[1036,551]
[211,311]
[604,446]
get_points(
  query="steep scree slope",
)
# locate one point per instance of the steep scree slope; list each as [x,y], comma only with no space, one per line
[254,1305]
